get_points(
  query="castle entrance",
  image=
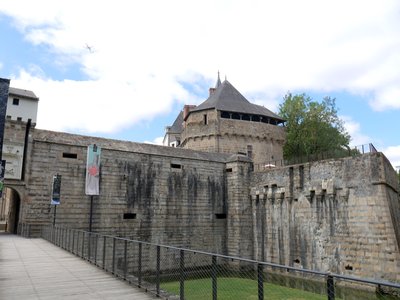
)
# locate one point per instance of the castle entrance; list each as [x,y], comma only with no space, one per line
[9,210]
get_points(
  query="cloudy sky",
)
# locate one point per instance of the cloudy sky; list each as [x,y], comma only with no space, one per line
[124,69]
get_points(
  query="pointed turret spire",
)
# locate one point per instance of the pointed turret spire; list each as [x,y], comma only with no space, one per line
[218,82]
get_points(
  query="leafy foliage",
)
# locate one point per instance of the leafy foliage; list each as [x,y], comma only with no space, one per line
[312,127]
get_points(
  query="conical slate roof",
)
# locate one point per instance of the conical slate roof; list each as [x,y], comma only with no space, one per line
[227,98]
[177,125]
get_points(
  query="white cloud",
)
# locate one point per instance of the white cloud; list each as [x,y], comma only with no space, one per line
[358,139]
[156,141]
[354,129]
[143,49]
[387,99]
[99,105]
[393,154]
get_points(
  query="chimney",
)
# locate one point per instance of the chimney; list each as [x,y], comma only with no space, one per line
[211,91]
[186,109]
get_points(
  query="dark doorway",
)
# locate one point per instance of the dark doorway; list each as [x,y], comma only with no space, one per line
[11,203]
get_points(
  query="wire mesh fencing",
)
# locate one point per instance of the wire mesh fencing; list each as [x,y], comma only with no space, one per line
[177,273]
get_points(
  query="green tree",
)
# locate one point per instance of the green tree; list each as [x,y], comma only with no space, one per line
[312,127]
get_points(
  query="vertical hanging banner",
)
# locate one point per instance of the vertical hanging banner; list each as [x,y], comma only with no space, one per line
[93,170]
[56,191]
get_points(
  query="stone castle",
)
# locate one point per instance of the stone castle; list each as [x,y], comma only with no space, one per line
[338,215]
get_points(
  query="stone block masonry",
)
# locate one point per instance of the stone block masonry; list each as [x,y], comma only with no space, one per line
[336,215]
[151,193]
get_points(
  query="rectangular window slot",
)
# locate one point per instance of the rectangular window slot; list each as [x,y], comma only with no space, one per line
[220,216]
[176,166]
[301,175]
[70,155]
[348,267]
[15,101]
[129,216]
[250,151]
[229,170]
[205,119]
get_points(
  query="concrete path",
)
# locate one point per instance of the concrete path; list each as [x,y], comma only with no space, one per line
[36,269]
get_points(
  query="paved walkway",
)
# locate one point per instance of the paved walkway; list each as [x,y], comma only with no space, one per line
[36,269]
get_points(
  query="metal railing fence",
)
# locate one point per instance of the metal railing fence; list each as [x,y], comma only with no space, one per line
[176,273]
[300,159]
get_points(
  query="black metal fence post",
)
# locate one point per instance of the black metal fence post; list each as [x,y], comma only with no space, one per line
[330,287]
[63,238]
[113,257]
[182,275]
[260,277]
[125,258]
[214,274]
[89,245]
[104,252]
[83,244]
[95,248]
[77,244]
[73,241]
[68,239]
[140,265]
[158,271]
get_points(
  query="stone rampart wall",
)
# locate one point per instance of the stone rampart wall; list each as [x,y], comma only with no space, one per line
[151,193]
[337,215]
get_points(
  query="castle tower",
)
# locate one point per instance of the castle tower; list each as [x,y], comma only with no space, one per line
[228,123]
[22,107]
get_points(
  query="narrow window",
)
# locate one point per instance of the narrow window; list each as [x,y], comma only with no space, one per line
[301,175]
[129,216]
[205,119]
[250,151]
[70,155]
[229,170]
[15,101]
[246,117]
[220,216]
[235,116]
[176,166]
[225,115]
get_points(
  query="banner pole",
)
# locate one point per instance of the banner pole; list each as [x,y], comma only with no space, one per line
[54,217]
[91,214]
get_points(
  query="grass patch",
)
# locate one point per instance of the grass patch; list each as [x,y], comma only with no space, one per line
[237,288]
